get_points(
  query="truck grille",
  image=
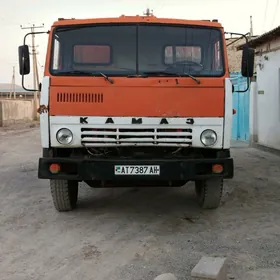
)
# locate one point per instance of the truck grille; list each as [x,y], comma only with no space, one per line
[65,97]
[91,137]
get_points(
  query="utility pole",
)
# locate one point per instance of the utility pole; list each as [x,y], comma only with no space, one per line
[13,85]
[148,12]
[251,27]
[35,65]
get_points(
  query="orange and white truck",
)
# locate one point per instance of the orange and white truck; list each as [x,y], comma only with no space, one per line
[135,101]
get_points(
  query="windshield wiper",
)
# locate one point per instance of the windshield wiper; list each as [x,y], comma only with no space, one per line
[163,73]
[88,73]
[106,77]
[194,78]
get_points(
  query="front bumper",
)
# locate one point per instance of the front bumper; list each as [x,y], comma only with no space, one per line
[103,169]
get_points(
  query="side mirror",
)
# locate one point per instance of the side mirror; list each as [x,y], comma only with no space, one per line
[248,59]
[24,60]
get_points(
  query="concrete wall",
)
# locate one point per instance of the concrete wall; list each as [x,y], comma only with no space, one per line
[15,111]
[265,97]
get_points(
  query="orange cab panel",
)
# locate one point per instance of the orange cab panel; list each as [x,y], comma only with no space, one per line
[137,101]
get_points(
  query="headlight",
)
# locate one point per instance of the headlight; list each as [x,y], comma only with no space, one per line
[64,136]
[208,137]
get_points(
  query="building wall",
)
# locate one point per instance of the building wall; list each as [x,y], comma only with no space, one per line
[268,47]
[265,101]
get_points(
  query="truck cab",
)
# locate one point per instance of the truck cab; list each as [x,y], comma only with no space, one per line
[135,101]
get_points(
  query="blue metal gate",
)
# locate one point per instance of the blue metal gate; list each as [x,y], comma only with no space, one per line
[241,103]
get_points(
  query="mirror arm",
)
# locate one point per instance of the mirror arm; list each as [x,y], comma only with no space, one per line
[241,35]
[24,43]
[247,42]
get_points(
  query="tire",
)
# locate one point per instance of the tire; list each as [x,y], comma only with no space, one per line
[64,194]
[209,193]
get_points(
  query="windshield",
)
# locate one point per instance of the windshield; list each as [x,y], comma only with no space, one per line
[125,50]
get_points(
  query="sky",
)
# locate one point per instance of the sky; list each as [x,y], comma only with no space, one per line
[234,15]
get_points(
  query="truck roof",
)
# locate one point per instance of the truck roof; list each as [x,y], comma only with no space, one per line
[136,19]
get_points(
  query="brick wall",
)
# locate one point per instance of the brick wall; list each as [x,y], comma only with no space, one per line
[234,56]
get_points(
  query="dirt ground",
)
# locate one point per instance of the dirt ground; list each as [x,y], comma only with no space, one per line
[135,234]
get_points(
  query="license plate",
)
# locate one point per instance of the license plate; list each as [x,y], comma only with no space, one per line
[137,170]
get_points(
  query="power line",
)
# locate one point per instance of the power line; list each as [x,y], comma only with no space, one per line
[7,22]
[265,14]
[275,12]
[33,26]
[9,61]
[163,3]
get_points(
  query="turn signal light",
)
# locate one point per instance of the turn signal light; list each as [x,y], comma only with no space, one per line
[217,168]
[54,168]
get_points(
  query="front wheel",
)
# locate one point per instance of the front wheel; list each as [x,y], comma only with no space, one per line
[209,192]
[64,194]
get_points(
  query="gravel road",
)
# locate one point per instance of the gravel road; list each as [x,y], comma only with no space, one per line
[134,234]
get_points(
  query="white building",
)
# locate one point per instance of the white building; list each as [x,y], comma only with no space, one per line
[265,91]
